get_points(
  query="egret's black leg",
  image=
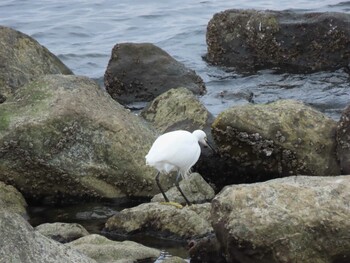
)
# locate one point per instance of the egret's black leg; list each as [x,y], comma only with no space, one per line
[160,187]
[178,188]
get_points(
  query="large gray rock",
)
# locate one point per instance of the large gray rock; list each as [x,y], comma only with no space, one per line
[277,139]
[104,250]
[295,219]
[20,243]
[142,71]
[290,41]
[163,220]
[343,141]
[195,188]
[11,200]
[62,232]
[22,59]
[62,136]
[177,109]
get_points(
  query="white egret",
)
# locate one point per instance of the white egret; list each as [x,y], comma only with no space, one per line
[176,151]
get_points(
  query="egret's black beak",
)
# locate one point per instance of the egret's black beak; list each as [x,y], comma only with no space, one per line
[210,146]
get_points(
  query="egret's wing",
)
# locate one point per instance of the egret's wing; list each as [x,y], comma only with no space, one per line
[164,147]
[178,148]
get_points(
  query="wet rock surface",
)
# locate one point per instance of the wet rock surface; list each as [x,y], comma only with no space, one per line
[62,137]
[294,219]
[195,188]
[177,109]
[62,232]
[20,243]
[343,141]
[22,59]
[162,220]
[142,71]
[104,250]
[249,40]
[206,249]
[277,139]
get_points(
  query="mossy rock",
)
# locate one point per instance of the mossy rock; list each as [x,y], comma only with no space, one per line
[278,139]
[62,136]
[162,220]
[177,109]
[12,200]
[22,59]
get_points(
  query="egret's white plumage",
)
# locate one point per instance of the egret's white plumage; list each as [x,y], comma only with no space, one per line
[176,151]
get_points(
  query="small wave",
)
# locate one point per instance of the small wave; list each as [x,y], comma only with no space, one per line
[83,56]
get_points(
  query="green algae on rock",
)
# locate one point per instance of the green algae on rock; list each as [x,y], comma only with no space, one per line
[65,137]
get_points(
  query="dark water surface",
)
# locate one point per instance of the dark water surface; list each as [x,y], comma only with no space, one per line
[82,34]
[93,217]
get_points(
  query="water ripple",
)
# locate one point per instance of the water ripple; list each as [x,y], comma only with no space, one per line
[82,34]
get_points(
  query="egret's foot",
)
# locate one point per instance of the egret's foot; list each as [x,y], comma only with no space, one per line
[177,205]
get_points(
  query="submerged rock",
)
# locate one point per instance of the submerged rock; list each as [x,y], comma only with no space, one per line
[177,109]
[295,219]
[343,141]
[277,139]
[20,243]
[162,220]
[142,71]
[62,232]
[23,59]
[104,250]
[195,188]
[62,137]
[11,200]
[293,42]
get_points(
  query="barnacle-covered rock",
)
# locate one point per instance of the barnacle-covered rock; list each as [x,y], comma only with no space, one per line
[278,139]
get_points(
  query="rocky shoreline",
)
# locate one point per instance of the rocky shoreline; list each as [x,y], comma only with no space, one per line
[277,189]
